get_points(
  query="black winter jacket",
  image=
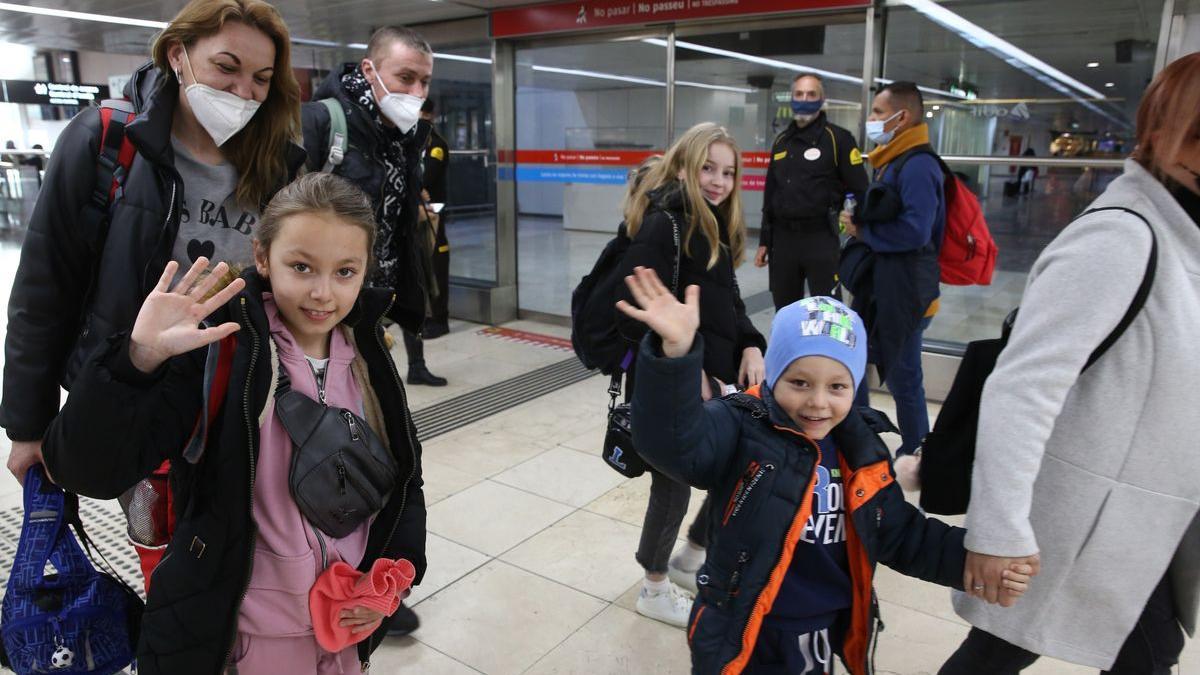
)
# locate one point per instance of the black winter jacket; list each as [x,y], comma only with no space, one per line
[119,424]
[804,194]
[747,436]
[723,322]
[363,166]
[75,286]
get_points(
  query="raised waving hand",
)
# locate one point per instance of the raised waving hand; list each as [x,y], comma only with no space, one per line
[168,323]
[675,322]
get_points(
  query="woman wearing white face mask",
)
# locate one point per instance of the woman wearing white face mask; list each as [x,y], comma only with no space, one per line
[211,143]
[378,101]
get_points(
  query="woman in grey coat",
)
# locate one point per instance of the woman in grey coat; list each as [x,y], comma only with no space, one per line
[1098,472]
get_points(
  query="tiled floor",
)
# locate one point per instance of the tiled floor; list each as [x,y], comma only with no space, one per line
[531,540]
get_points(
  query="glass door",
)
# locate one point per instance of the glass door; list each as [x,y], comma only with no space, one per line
[586,112]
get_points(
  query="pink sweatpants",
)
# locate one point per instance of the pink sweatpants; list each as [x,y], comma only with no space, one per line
[258,655]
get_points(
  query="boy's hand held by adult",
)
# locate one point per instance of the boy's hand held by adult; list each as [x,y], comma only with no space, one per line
[168,323]
[984,577]
[675,322]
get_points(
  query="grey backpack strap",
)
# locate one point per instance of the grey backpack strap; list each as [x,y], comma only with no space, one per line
[678,252]
[338,138]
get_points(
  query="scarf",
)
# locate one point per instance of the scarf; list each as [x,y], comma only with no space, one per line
[903,142]
[388,248]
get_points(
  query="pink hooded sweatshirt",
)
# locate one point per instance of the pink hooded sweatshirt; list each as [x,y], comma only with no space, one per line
[290,553]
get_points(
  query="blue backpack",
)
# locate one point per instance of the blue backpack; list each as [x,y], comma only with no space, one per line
[75,619]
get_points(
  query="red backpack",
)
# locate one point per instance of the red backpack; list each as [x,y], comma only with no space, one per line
[968,253]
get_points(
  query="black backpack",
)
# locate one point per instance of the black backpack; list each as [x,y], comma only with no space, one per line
[948,452]
[594,334]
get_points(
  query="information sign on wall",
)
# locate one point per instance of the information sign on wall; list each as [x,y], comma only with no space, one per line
[42,92]
[585,15]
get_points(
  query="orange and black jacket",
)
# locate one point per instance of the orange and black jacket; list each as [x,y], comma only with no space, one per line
[759,471]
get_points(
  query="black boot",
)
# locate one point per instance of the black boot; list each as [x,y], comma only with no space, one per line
[404,621]
[435,329]
[419,374]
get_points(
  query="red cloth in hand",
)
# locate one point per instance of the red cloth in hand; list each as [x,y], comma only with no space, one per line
[343,587]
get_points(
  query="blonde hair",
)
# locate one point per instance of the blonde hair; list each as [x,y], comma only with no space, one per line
[319,193]
[258,151]
[637,177]
[687,156]
[1168,117]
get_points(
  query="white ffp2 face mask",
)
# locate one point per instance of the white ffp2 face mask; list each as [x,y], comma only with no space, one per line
[221,113]
[403,110]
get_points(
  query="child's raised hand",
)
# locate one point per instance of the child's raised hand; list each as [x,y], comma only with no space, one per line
[1014,581]
[674,321]
[168,323]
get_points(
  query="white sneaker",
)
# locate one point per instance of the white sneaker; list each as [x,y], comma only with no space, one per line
[682,578]
[671,606]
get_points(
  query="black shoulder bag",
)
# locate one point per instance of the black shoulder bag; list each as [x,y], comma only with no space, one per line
[341,473]
[618,451]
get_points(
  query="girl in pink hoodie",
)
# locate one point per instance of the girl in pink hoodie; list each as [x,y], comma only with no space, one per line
[232,592]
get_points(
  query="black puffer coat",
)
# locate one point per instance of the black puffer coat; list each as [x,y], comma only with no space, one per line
[363,166]
[75,286]
[119,424]
[712,445]
[726,329]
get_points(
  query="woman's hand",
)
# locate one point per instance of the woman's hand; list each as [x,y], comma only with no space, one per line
[675,322]
[168,323]
[753,370]
[360,619]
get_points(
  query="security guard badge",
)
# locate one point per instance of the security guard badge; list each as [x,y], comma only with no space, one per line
[855,157]
[812,154]
[780,155]
[437,153]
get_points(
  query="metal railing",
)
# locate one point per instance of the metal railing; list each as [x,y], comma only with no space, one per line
[1060,162]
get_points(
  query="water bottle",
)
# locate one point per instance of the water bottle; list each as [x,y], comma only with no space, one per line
[848,206]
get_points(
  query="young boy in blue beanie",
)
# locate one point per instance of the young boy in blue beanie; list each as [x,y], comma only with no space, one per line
[805,501]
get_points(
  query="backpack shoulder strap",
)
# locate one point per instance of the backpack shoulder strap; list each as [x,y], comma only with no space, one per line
[678,251]
[1143,291]
[338,138]
[114,160]
[897,164]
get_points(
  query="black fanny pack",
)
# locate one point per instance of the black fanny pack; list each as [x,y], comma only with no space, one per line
[341,473]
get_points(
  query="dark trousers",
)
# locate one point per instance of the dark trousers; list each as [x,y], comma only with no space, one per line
[415,347]
[797,255]
[664,513]
[906,381]
[1151,648]
[664,516]
[441,271]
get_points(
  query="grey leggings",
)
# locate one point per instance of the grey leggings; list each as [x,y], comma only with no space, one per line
[664,515]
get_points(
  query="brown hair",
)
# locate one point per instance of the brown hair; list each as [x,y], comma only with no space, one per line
[1169,116]
[319,193]
[687,155]
[384,37]
[258,151]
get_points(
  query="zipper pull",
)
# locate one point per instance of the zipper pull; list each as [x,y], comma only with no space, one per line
[352,424]
[341,472]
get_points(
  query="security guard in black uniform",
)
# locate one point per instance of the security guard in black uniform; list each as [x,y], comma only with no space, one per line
[813,165]
[436,168]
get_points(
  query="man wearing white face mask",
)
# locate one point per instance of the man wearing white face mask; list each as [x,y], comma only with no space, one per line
[899,225]
[362,125]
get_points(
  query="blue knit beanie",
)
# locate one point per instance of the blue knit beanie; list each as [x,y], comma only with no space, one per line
[818,326]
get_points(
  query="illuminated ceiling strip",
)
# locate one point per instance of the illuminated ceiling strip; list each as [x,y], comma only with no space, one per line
[599,76]
[317,43]
[458,57]
[1007,51]
[82,16]
[638,80]
[782,65]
